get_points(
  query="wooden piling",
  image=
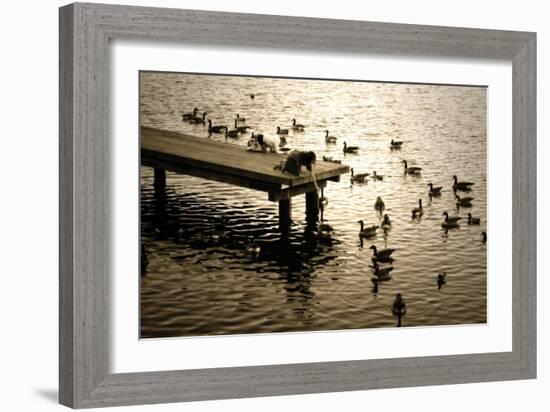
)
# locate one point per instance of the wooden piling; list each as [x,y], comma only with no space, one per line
[312,207]
[285,215]
[160,179]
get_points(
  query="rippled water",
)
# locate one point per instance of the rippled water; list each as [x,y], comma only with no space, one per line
[201,280]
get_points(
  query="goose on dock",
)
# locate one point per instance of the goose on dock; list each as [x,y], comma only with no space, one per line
[464,186]
[381,255]
[367,231]
[464,201]
[376,176]
[297,127]
[329,139]
[358,178]
[434,190]
[473,220]
[413,170]
[189,116]
[281,131]
[379,204]
[350,149]
[395,144]
[216,128]
[198,120]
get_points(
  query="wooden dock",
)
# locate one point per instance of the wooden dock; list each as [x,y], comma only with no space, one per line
[233,164]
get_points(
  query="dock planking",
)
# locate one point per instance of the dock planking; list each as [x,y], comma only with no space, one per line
[234,164]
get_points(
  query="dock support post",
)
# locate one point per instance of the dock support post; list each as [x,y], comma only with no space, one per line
[312,207]
[285,215]
[160,180]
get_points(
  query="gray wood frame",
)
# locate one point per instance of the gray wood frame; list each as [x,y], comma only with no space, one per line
[85,30]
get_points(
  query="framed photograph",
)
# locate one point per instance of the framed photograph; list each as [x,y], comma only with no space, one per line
[256,205]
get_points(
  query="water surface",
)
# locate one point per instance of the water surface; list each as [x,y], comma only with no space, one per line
[200,283]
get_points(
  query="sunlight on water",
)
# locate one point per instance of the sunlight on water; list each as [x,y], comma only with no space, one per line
[201,280]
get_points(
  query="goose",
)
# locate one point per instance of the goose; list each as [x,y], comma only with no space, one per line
[419,209]
[329,139]
[399,308]
[386,223]
[231,133]
[441,279]
[483,237]
[350,149]
[394,144]
[464,186]
[325,230]
[413,170]
[464,201]
[252,96]
[358,178]
[473,220]
[297,127]
[189,116]
[379,204]
[198,120]
[240,119]
[331,159]
[281,131]
[377,176]
[381,273]
[415,215]
[451,219]
[434,190]
[253,249]
[368,231]
[215,129]
[381,255]
[241,129]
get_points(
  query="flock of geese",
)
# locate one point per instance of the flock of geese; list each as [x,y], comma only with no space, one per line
[381,258]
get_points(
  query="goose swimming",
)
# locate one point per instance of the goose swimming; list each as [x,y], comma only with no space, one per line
[483,237]
[395,144]
[419,210]
[464,201]
[189,116]
[297,127]
[358,178]
[379,204]
[441,279]
[281,131]
[367,231]
[234,133]
[329,139]
[473,220]
[413,170]
[240,119]
[241,129]
[450,219]
[381,255]
[381,273]
[198,120]
[464,186]
[386,223]
[215,129]
[399,308]
[350,149]
[434,190]
[376,176]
